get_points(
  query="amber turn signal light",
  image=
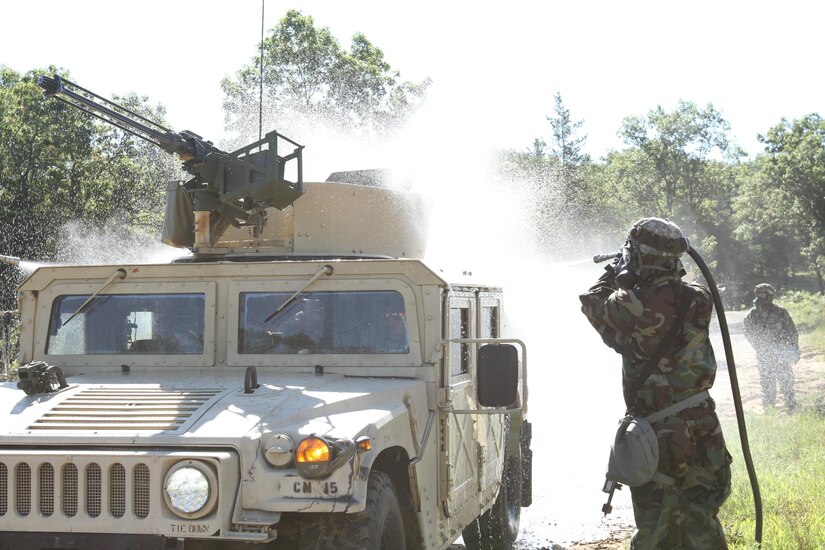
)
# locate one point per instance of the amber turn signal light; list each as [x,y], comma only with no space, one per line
[312,450]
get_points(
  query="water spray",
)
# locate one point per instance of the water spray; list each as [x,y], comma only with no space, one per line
[11,260]
[734,381]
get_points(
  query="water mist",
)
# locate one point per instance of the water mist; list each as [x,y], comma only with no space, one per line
[486,225]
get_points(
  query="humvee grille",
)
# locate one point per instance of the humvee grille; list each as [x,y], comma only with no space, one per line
[46,489]
[93,490]
[115,496]
[4,489]
[130,409]
[99,490]
[70,490]
[141,485]
[117,484]
[24,489]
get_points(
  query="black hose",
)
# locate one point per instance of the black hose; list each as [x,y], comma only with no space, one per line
[734,386]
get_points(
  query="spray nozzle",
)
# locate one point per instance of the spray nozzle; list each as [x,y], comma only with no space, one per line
[599,258]
[11,260]
[625,264]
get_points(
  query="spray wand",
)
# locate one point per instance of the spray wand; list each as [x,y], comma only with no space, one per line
[734,382]
[11,260]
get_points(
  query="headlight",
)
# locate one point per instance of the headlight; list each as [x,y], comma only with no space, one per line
[190,489]
[279,450]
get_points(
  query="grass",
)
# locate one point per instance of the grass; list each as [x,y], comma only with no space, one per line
[808,312]
[789,459]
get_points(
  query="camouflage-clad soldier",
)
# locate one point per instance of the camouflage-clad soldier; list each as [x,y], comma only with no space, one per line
[632,306]
[772,333]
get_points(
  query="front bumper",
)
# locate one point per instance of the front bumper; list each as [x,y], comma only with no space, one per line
[83,541]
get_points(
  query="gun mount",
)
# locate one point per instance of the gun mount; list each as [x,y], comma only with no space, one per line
[226,189]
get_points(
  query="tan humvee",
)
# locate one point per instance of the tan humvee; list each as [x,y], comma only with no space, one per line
[309,386]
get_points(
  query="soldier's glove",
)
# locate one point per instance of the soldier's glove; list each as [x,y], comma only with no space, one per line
[613,265]
[625,267]
[608,278]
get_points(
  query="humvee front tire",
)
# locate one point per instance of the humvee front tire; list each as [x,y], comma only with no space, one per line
[379,527]
[497,528]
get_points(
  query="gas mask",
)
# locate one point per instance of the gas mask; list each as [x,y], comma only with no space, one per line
[762,299]
[627,266]
[633,268]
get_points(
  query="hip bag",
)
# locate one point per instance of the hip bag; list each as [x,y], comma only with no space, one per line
[634,455]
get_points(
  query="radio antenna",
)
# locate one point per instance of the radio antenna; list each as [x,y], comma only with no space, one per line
[261,90]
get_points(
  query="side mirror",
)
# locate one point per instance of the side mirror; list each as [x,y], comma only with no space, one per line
[497,376]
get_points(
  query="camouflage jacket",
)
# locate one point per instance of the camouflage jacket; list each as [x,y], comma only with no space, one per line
[772,333]
[634,323]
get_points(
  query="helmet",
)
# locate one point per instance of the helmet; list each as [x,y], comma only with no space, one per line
[658,237]
[764,294]
[652,251]
[764,288]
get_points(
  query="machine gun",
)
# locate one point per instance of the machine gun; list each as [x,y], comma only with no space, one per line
[225,189]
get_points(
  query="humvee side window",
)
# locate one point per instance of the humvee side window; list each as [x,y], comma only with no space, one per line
[459,328]
[489,322]
[127,323]
[323,322]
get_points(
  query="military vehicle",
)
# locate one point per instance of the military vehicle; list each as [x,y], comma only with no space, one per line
[302,379]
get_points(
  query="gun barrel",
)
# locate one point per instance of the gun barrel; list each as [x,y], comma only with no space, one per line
[11,260]
[121,117]
[50,85]
[599,258]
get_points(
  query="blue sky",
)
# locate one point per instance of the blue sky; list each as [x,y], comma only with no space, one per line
[495,66]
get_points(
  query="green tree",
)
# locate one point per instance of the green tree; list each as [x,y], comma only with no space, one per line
[567,146]
[558,172]
[58,164]
[307,73]
[539,148]
[765,227]
[796,165]
[41,168]
[679,146]
[681,165]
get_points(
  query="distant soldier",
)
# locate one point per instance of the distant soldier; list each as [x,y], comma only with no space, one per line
[772,333]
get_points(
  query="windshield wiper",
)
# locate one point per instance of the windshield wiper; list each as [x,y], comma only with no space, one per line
[120,273]
[325,270]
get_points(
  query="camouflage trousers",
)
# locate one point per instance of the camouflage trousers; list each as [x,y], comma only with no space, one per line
[771,373]
[683,515]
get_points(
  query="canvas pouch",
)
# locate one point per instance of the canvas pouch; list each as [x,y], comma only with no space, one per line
[634,455]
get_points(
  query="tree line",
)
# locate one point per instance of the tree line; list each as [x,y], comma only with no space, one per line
[752,219]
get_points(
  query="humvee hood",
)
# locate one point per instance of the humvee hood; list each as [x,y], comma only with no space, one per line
[203,409]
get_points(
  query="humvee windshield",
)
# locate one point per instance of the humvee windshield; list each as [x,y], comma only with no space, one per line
[127,323]
[323,323]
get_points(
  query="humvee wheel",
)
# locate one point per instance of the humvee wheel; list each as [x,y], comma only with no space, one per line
[497,528]
[379,527]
